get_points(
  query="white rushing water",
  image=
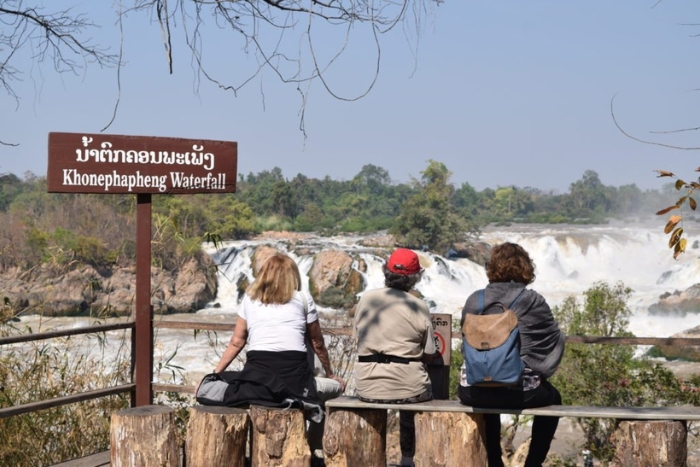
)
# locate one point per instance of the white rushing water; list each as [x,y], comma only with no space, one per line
[568,259]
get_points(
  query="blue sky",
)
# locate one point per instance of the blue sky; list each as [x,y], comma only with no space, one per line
[503,92]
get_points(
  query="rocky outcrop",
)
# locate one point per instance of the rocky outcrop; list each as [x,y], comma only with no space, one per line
[378,240]
[476,252]
[685,352]
[260,256]
[678,303]
[86,290]
[333,281]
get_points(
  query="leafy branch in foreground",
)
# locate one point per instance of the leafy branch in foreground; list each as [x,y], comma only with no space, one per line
[672,227]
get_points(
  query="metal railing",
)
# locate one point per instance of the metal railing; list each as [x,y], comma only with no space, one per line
[213,326]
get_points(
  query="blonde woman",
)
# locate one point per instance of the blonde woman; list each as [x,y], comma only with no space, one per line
[274,321]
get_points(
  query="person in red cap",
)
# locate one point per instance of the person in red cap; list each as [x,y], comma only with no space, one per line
[394,340]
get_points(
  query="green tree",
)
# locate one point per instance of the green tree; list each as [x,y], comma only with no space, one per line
[629,199]
[512,202]
[589,196]
[427,218]
[372,179]
[608,375]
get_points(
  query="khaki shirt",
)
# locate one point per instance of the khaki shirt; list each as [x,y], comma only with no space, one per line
[396,323]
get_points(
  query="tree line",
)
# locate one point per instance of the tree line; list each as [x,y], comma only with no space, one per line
[429,212]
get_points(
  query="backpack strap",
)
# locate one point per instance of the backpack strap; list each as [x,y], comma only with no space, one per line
[480,298]
[516,299]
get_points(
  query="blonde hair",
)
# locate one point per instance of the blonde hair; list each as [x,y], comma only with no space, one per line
[277,281]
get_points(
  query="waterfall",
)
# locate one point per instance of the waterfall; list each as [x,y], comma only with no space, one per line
[569,259]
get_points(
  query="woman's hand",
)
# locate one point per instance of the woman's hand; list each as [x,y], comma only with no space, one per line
[340,380]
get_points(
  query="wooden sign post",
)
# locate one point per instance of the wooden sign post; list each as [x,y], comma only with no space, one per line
[439,369]
[140,165]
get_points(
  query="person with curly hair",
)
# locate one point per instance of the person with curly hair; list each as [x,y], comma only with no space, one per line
[510,270]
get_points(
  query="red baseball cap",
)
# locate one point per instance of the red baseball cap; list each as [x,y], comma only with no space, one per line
[403,261]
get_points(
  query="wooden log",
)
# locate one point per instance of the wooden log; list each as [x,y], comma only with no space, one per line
[216,436]
[143,436]
[279,438]
[354,437]
[651,444]
[450,438]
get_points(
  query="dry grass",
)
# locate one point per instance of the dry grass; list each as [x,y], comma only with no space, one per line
[42,371]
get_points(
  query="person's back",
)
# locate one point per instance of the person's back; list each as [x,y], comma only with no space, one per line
[276,327]
[395,323]
[510,270]
[394,338]
[279,322]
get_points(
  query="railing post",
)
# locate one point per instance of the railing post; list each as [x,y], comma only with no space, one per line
[143,319]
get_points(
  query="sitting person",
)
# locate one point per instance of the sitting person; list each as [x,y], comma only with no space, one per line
[509,271]
[394,339]
[274,320]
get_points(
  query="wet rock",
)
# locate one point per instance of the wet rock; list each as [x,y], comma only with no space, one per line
[260,256]
[476,252]
[678,303]
[685,352]
[85,290]
[333,281]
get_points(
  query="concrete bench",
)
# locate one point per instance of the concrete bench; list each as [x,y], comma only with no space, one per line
[448,432]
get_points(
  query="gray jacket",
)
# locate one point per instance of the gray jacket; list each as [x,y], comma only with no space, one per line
[541,340]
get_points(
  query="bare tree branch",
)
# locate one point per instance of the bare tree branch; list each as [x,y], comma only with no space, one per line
[54,36]
[654,143]
[289,38]
[258,22]
[675,131]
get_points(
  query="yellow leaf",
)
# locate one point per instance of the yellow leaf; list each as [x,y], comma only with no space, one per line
[672,223]
[679,248]
[675,237]
[680,202]
[668,209]
[663,173]
[693,204]
[679,184]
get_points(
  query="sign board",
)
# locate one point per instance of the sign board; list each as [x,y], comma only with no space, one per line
[98,163]
[439,369]
[442,327]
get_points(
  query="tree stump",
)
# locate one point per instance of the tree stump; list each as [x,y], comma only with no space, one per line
[450,438]
[651,444]
[279,438]
[216,436]
[143,436]
[355,437]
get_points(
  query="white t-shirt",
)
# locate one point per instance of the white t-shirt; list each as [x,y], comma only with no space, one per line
[277,328]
